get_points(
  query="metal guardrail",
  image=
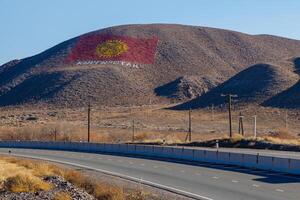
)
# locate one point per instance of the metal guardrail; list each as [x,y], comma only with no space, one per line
[278,164]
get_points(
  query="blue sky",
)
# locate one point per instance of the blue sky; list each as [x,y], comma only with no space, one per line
[28,27]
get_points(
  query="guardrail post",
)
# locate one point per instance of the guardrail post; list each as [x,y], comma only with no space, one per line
[193,154]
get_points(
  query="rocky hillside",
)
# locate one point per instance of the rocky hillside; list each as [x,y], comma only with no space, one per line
[139,64]
[256,84]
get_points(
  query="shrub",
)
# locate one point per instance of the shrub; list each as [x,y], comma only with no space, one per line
[25,183]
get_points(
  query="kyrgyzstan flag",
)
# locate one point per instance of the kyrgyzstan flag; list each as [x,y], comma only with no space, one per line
[98,47]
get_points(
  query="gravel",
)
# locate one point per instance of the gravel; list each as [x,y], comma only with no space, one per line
[59,185]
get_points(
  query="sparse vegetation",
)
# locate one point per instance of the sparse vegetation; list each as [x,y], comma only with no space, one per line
[54,81]
[153,124]
[25,183]
[62,196]
[19,178]
[21,175]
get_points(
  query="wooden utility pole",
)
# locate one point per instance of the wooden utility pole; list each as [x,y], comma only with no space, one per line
[241,126]
[286,119]
[55,134]
[229,111]
[230,117]
[89,122]
[189,134]
[190,125]
[212,112]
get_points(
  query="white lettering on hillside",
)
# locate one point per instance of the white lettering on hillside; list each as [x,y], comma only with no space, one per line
[97,62]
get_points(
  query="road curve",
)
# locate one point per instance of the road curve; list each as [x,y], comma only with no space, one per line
[204,181]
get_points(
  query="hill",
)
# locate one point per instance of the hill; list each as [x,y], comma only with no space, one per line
[132,64]
[253,85]
[186,87]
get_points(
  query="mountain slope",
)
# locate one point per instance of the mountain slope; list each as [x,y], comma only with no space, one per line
[181,51]
[186,87]
[253,85]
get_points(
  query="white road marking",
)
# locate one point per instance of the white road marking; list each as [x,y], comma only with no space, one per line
[215,177]
[254,185]
[279,190]
[171,189]
[234,181]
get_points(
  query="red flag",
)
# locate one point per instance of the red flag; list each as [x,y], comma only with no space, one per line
[97,47]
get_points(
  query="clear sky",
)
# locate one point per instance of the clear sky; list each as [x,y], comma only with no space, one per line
[28,27]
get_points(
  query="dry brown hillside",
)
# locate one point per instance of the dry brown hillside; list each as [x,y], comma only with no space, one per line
[188,60]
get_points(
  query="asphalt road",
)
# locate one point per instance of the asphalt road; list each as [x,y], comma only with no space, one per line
[204,181]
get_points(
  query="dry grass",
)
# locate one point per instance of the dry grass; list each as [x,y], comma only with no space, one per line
[17,178]
[235,138]
[25,183]
[62,196]
[275,140]
[152,124]
[21,175]
[282,136]
[100,190]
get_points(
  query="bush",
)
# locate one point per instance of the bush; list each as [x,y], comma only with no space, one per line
[25,183]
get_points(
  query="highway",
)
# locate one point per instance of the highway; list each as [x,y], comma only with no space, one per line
[203,181]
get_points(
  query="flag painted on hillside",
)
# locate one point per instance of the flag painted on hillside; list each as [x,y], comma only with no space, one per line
[96,47]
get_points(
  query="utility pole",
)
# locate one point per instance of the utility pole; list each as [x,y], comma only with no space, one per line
[133,131]
[254,126]
[212,112]
[190,126]
[286,119]
[241,126]
[229,111]
[55,134]
[89,122]
[189,134]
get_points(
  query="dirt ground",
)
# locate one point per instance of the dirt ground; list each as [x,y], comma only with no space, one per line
[151,123]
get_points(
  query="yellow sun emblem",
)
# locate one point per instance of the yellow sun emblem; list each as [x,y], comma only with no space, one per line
[111,48]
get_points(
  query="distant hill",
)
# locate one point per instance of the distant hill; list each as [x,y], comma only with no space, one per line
[139,64]
[256,84]
[186,87]
[289,98]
